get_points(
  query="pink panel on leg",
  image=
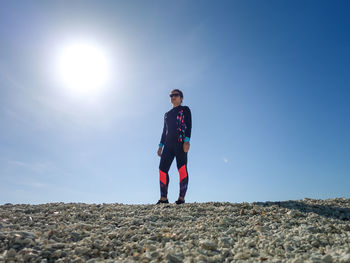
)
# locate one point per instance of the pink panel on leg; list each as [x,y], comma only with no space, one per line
[162,176]
[182,172]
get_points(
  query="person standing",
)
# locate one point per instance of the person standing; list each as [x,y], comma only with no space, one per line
[176,141]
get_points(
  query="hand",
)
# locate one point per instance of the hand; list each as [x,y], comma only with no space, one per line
[160,151]
[186,146]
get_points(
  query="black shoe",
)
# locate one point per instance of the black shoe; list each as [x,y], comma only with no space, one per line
[162,201]
[179,201]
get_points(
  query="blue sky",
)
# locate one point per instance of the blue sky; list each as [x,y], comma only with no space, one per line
[267,83]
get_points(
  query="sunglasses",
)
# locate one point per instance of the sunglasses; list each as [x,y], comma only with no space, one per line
[174,95]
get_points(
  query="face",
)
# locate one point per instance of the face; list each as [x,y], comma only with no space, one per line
[176,100]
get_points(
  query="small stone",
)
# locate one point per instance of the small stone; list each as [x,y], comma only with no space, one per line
[11,253]
[208,244]
[327,259]
[173,259]
[291,213]
[345,258]
[242,255]
[316,259]
[77,260]
[151,248]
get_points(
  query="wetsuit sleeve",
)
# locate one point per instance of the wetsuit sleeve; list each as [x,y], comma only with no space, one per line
[188,122]
[162,139]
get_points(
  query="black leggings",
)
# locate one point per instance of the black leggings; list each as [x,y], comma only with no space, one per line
[167,157]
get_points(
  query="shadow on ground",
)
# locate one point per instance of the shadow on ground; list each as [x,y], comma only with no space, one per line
[341,211]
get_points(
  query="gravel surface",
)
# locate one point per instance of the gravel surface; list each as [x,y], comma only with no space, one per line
[307,230]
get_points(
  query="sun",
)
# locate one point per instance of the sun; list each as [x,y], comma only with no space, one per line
[83,67]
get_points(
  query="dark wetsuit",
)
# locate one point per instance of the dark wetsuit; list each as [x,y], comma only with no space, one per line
[176,130]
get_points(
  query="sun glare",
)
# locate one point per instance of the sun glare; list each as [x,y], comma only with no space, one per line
[83,67]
